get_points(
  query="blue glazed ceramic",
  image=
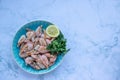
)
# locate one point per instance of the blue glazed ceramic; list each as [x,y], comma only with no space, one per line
[32,25]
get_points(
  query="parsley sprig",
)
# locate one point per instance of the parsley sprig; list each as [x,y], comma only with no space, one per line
[58,46]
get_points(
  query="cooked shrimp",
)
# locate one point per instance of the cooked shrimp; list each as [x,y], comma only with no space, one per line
[33,49]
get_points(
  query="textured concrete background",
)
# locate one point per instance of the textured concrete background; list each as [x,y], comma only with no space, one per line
[92,28]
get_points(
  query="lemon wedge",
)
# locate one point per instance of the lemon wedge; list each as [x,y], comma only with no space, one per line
[52,31]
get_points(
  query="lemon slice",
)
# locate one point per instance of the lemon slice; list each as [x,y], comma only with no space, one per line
[52,31]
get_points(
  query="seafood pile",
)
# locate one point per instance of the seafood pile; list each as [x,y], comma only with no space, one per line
[33,48]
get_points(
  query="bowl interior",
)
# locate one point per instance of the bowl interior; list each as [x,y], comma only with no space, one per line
[32,25]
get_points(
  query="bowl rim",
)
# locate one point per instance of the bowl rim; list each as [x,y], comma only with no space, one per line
[21,66]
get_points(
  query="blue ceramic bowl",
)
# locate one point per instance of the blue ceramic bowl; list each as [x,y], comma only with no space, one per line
[32,25]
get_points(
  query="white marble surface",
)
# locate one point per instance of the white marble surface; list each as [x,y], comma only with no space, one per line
[92,28]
